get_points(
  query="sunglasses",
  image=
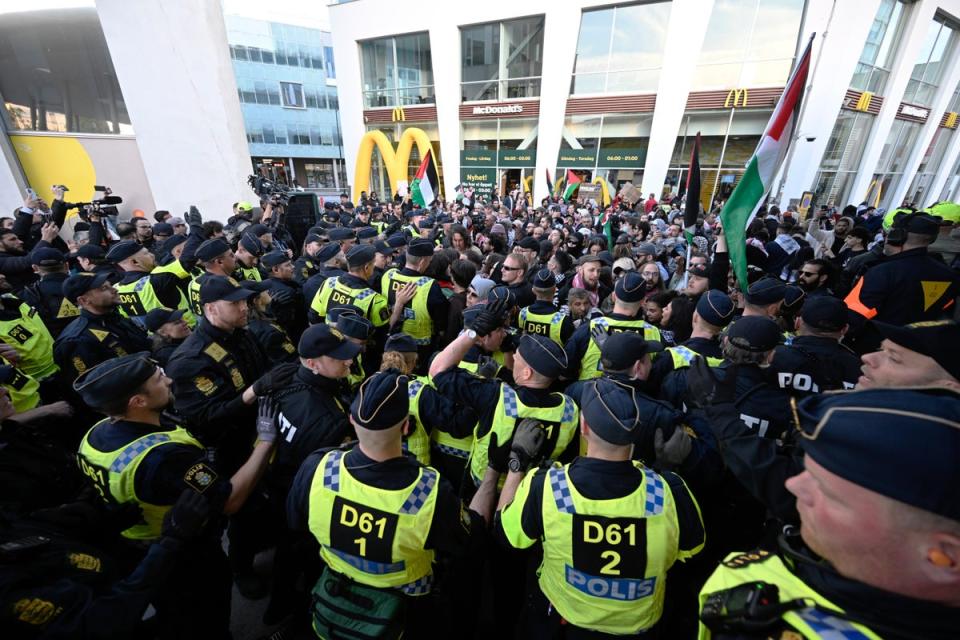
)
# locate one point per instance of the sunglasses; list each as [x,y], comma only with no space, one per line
[812,274]
[506,268]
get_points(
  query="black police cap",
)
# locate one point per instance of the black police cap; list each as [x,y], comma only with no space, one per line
[274,259]
[402,343]
[212,249]
[258,229]
[173,241]
[825,313]
[365,233]
[502,292]
[323,340]
[543,354]
[793,297]
[340,234]
[354,326]
[251,244]
[631,287]
[382,401]
[328,252]
[123,250]
[156,318]
[766,291]
[754,333]
[334,312]
[622,350]
[862,435]
[937,339]
[397,241]
[216,288]
[79,283]
[543,279]
[47,257]
[361,254]
[420,248]
[114,378]
[716,308]
[611,410]
[90,252]
[162,229]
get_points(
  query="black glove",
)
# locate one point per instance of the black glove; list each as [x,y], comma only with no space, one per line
[193,217]
[186,518]
[6,373]
[275,379]
[490,319]
[510,341]
[487,367]
[599,333]
[281,296]
[528,440]
[703,387]
[498,455]
[267,413]
[674,450]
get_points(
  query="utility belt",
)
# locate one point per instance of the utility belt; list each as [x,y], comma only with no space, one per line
[344,608]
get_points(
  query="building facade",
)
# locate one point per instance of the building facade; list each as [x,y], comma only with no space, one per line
[286,84]
[513,95]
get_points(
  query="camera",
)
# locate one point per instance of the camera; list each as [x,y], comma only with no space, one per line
[105,206]
[276,193]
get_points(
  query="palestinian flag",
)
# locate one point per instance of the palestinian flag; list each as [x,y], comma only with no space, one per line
[426,184]
[750,192]
[573,183]
[691,210]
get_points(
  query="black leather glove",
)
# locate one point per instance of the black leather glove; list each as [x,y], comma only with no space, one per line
[510,341]
[491,318]
[705,389]
[280,296]
[498,455]
[528,440]
[487,367]
[193,217]
[674,450]
[186,518]
[275,379]
[267,412]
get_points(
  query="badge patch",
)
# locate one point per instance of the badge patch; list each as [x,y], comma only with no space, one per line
[744,559]
[100,335]
[204,385]
[216,352]
[84,561]
[237,378]
[199,477]
[35,611]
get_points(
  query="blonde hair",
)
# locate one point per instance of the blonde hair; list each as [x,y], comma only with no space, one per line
[397,360]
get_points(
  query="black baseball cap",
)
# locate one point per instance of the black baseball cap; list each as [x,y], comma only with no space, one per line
[938,339]
[323,340]
[156,318]
[215,288]
[47,257]
[79,283]
[622,350]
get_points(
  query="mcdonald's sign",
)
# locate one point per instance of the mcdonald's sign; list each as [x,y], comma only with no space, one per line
[398,115]
[951,121]
[396,161]
[863,102]
[734,97]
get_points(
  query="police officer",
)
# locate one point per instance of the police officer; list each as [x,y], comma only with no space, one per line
[412,228]
[921,354]
[815,361]
[610,527]
[180,250]
[92,259]
[412,514]
[100,333]
[306,265]
[764,298]
[139,289]
[46,295]
[878,552]
[543,317]
[133,457]
[427,310]
[330,260]
[265,327]
[582,349]
[907,285]
[357,330]
[353,289]
[249,250]
[537,362]
[713,312]
[345,237]
[286,296]
[216,258]
[167,330]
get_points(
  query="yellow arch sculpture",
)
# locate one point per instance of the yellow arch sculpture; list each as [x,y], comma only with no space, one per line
[604,190]
[395,161]
[528,184]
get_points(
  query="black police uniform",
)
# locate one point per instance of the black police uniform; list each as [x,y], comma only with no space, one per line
[46,296]
[290,313]
[304,268]
[272,337]
[92,339]
[813,364]
[664,367]
[314,283]
[163,348]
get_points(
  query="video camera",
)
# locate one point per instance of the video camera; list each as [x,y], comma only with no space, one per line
[276,193]
[105,206]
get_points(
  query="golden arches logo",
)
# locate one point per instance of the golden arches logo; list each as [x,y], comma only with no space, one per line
[734,96]
[951,121]
[396,162]
[398,115]
[863,102]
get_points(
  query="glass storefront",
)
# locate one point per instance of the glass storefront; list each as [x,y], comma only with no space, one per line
[877,56]
[903,135]
[499,153]
[930,165]
[397,71]
[58,75]
[612,146]
[501,60]
[611,58]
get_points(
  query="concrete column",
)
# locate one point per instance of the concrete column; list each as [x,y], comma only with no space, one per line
[688,26]
[836,51]
[445,53]
[173,64]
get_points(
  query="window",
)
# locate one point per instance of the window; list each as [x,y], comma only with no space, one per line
[328,61]
[621,49]
[58,75]
[319,174]
[397,71]
[842,158]
[749,43]
[879,50]
[261,90]
[267,56]
[292,95]
[502,60]
[896,150]
[927,71]
[268,136]
[332,101]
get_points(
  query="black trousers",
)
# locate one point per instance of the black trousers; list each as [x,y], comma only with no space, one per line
[541,621]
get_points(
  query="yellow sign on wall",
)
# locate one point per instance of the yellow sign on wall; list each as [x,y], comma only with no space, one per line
[50,160]
[734,98]
[863,102]
[396,162]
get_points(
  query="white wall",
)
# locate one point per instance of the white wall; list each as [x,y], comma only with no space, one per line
[11,195]
[173,64]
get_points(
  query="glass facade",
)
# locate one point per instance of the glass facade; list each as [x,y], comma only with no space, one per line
[620,49]
[511,151]
[57,74]
[903,135]
[288,99]
[397,71]
[931,62]
[501,60]
[878,53]
[919,191]
[749,43]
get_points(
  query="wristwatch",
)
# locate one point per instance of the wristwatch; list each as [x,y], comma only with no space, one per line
[471,334]
[514,464]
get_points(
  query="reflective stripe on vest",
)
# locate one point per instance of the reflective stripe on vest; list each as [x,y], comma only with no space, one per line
[443,441]
[683,357]
[561,424]
[32,340]
[605,561]
[762,566]
[418,442]
[334,293]
[416,316]
[544,324]
[138,298]
[590,366]
[113,475]
[374,536]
